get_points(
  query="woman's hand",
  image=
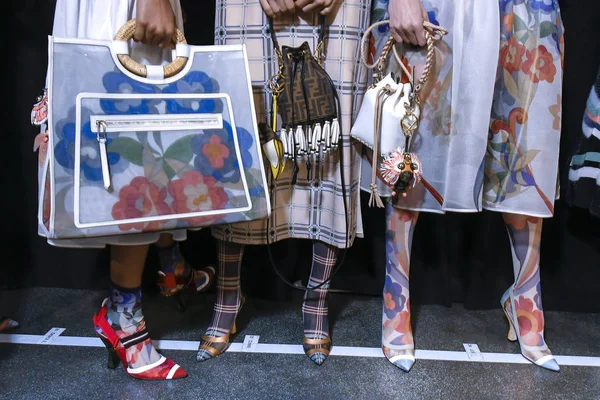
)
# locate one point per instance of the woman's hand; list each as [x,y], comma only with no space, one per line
[278,8]
[155,22]
[406,21]
[324,7]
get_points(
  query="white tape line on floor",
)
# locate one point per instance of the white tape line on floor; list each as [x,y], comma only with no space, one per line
[374,352]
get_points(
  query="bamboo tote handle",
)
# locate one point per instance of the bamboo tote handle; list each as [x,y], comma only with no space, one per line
[173,68]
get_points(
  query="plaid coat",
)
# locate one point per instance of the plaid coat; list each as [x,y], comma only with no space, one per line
[309,209]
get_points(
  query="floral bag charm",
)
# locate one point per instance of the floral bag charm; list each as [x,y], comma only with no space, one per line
[39,112]
[39,116]
[390,115]
[401,169]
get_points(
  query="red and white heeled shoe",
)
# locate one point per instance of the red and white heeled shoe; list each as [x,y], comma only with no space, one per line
[172,285]
[7,323]
[163,369]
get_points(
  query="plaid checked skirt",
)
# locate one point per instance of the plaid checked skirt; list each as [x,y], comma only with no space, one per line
[310,209]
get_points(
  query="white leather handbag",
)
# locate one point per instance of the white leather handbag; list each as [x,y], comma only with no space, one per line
[389,115]
[393,111]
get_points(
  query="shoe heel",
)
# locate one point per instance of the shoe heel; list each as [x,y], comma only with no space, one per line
[181,305]
[512,335]
[512,332]
[113,357]
[233,330]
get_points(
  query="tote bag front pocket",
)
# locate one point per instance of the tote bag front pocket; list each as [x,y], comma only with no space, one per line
[150,171]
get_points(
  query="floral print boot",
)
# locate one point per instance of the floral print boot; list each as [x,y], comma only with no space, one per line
[522,302]
[397,339]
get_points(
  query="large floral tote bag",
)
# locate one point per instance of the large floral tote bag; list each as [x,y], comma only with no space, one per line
[135,148]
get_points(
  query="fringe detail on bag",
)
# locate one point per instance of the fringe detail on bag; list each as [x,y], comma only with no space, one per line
[284,143]
[319,137]
[335,133]
[316,149]
[299,138]
[310,140]
[316,132]
[375,199]
[327,136]
[291,144]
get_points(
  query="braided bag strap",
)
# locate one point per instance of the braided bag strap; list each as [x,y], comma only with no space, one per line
[432,34]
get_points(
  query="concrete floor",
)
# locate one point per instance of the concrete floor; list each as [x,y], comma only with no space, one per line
[66,372]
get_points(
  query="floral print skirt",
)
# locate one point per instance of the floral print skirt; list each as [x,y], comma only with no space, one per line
[490,131]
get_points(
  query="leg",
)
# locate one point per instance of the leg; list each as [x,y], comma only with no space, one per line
[120,322]
[522,302]
[397,338]
[229,301]
[127,265]
[317,342]
[175,273]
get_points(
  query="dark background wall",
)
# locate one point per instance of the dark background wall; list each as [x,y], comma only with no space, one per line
[456,257]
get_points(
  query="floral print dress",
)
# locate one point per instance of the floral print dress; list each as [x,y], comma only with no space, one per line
[490,132]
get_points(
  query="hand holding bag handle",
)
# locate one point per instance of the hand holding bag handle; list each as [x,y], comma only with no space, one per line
[400,166]
[126,33]
[432,33]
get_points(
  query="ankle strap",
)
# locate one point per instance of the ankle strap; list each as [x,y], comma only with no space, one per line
[317,341]
[133,339]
